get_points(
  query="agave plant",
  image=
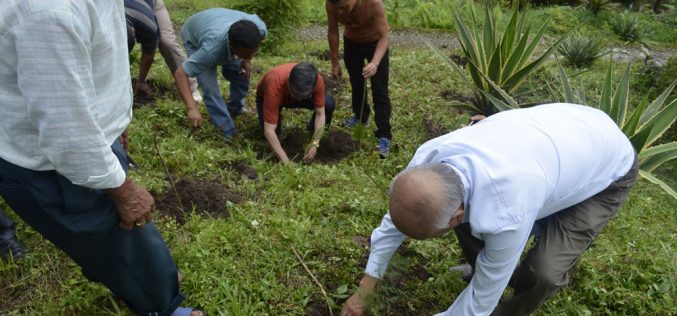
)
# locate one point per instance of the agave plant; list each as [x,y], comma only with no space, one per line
[580,51]
[498,62]
[626,27]
[644,126]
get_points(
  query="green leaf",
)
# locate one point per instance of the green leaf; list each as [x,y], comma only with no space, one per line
[620,99]
[515,80]
[497,103]
[566,87]
[656,104]
[652,158]
[655,127]
[450,62]
[630,126]
[649,176]
[605,99]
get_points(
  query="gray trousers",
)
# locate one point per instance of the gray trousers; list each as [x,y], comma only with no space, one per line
[563,237]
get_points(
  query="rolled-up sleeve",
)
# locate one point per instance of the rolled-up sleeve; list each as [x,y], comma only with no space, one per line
[55,77]
[384,242]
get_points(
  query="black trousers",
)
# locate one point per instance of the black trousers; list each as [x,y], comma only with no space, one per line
[562,238]
[135,265]
[354,56]
[7,228]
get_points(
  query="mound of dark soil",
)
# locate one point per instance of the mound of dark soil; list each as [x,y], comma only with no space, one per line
[333,147]
[433,129]
[322,54]
[243,169]
[461,61]
[142,99]
[206,196]
[453,95]
[332,86]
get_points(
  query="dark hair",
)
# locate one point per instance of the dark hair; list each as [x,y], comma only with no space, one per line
[335,1]
[244,34]
[302,78]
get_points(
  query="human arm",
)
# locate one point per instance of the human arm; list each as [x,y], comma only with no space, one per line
[381,25]
[246,67]
[317,135]
[493,269]
[333,39]
[74,130]
[384,242]
[274,142]
[183,85]
[147,58]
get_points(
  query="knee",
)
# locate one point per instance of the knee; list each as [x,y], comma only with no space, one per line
[329,104]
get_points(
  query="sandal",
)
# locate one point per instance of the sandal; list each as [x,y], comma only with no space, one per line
[186,311]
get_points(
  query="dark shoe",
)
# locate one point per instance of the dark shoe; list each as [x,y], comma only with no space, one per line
[466,271]
[383,147]
[11,249]
[351,122]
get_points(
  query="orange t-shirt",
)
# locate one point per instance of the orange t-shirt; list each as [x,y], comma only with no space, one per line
[274,88]
[359,23]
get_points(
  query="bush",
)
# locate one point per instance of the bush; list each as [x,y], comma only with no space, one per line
[580,51]
[626,27]
[596,6]
[281,16]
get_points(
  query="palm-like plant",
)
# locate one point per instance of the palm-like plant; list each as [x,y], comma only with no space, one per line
[644,126]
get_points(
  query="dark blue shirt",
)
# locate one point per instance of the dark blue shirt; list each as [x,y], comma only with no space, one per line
[142,25]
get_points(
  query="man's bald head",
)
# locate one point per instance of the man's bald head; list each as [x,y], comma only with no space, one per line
[424,199]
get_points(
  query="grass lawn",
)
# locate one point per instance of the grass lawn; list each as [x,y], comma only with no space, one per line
[238,258]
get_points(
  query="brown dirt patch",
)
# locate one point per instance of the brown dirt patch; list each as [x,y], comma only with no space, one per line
[335,146]
[433,128]
[453,95]
[242,168]
[142,99]
[317,307]
[205,196]
[461,61]
[332,86]
[323,54]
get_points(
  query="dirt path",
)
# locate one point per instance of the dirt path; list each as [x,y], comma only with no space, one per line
[447,39]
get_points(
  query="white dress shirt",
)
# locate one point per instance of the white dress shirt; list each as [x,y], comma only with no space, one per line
[65,87]
[516,167]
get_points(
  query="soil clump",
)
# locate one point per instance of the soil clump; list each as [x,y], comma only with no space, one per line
[204,196]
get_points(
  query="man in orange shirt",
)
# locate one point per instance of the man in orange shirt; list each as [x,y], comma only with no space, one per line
[293,85]
[365,37]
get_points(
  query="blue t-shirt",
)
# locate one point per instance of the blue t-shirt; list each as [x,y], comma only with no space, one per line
[207,33]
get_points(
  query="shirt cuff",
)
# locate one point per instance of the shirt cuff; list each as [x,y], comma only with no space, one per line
[111,180]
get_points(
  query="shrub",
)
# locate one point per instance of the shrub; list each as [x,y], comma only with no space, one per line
[281,16]
[580,51]
[626,27]
[644,126]
[498,62]
[597,6]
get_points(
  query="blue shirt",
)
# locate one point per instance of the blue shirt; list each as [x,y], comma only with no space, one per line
[207,32]
[516,166]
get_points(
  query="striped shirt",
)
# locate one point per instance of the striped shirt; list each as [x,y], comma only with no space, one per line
[65,87]
[142,25]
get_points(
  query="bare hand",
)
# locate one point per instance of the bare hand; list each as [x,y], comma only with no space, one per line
[246,68]
[143,87]
[336,72]
[477,117]
[194,117]
[369,70]
[133,203]
[355,305]
[124,140]
[310,154]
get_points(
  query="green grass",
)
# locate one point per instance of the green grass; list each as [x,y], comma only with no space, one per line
[244,265]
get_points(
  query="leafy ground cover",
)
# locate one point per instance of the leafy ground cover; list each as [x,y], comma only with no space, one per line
[239,214]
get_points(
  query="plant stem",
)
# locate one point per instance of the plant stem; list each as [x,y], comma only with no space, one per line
[324,293]
[169,175]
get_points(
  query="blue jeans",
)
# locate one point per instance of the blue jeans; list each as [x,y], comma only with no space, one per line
[135,265]
[329,106]
[219,110]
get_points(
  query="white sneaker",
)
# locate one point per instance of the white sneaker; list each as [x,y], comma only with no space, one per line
[196,93]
